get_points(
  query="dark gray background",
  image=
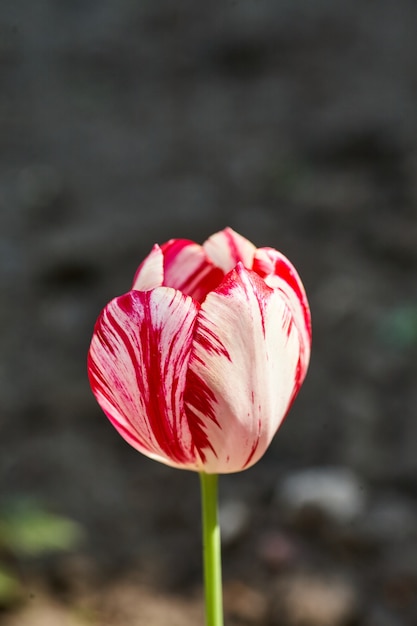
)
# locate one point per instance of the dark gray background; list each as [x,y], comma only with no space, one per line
[127,123]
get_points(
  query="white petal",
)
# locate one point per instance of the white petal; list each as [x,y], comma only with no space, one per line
[150,272]
[226,248]
[242,371]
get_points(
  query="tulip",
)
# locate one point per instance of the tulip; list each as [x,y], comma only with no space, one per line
[197,365]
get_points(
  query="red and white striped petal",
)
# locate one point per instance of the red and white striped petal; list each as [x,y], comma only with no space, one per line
[137,366]
[242,371]
[226,248]
[187,268]
[279,273]
[150,273]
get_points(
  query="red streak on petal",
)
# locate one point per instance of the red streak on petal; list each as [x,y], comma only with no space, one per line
[200,396]
[251,282]
[126,306]
[283,270]
[262,265]
[208,340]
[298,378]
[254,447]
[165,433]
[173,247]
[260,290]
[204,279]
[234,250]
[150,363]
[199,400]
[97,377]
[204,276]
[269,262]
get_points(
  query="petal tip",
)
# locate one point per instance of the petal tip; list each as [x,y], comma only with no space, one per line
[150,273]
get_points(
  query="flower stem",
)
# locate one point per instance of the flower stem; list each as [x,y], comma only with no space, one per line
[211,550]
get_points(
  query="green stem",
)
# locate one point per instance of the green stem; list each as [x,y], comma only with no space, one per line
[211,550]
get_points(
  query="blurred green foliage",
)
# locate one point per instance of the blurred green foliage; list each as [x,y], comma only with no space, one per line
[9,587]
[398,327]
[28,530]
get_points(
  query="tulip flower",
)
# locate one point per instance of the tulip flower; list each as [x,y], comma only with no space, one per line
[198,364]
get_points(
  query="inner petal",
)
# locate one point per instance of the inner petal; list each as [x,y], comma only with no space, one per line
[187,268]
[226,248]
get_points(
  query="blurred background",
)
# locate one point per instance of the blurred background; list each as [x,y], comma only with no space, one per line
[127,123]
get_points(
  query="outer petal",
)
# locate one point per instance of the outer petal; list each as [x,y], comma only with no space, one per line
[226,248]
[242,371]
[279,273]
[187,268]
[150,273]
[137,367]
